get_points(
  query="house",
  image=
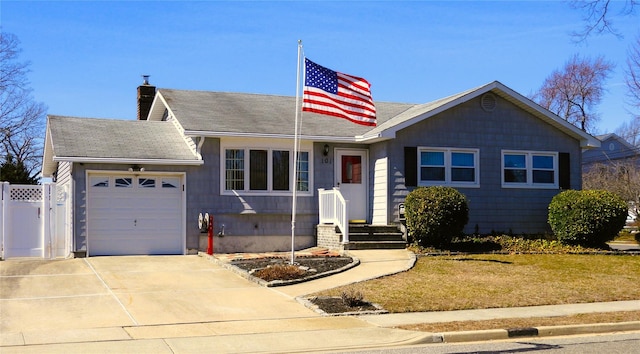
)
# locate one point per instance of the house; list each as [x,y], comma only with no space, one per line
[138,187]
[613,149]
[614,157]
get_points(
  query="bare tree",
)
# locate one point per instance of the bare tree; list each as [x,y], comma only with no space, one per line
[575,91]
[630,132]
[598,16]
[21,118]
[632,75]
[621,177]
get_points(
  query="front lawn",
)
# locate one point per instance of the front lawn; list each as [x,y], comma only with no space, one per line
[442,283]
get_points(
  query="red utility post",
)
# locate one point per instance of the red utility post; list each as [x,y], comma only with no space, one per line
[210,229]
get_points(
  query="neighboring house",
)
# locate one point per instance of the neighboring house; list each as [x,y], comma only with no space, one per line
[613,149]
[138,187]
[614,154]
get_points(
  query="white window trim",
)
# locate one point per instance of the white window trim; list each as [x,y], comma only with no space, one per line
[529,167]
[447,166]
[270,146]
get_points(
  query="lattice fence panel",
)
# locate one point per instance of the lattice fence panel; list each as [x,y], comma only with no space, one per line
[61,193]
[26,193]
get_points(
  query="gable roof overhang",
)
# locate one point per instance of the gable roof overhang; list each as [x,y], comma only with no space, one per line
[418,113]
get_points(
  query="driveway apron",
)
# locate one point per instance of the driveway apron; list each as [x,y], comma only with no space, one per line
[130,291]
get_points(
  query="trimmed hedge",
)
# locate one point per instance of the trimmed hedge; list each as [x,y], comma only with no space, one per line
[435,215]
[587,218]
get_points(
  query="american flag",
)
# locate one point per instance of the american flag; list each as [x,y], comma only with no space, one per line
[337,94]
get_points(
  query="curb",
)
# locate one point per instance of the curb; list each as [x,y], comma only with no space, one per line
[543,331]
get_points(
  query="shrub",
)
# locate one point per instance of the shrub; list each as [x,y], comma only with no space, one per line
[587,218]
[352,298]
[435,215]
[280,272]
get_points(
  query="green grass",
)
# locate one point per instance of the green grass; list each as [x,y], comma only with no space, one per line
[442,283]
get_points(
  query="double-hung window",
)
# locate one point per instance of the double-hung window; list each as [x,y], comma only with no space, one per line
[262,170]
[529,169]
[448,166]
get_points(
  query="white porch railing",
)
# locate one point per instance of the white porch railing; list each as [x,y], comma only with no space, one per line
[334,210]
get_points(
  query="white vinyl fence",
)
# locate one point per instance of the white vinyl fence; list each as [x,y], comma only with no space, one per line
[34,221]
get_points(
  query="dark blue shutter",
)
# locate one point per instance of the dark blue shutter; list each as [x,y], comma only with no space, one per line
[410,166]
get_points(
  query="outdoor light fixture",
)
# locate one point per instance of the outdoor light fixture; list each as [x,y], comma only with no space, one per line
[325,151]
[136,168]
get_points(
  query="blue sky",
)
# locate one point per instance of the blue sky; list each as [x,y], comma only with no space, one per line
[87,57]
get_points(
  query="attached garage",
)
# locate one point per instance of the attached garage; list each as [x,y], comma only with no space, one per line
[135,214]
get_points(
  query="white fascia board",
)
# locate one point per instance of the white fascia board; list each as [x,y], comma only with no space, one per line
[158,106]
[48,164]
[129,161]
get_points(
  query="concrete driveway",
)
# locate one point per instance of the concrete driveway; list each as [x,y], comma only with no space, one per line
[108,292]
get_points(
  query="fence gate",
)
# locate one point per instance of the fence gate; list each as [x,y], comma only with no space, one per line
[28,222]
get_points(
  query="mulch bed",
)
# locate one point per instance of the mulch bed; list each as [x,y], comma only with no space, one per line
[335,305]
[312,265]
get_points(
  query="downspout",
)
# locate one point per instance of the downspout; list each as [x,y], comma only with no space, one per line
[199,147]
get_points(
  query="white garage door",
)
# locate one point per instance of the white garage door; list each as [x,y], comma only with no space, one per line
[130,214]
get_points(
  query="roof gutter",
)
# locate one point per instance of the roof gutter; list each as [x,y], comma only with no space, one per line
[211,134]
[128,161]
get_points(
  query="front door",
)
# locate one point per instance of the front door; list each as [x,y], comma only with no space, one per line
[352,178]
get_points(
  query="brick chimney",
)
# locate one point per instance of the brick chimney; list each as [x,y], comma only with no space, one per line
[146,93]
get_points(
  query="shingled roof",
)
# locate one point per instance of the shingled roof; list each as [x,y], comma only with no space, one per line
[217,114]
[223,113]
[114,140]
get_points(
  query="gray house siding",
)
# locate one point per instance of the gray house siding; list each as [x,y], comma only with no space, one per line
[492,207]
[255,223]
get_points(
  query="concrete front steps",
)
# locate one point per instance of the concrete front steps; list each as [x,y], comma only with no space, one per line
[364,237]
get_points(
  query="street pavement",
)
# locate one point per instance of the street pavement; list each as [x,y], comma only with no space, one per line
[188,304]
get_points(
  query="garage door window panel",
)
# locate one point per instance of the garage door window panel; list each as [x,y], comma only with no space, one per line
[124,182]
[170,182]
[100,182]
[147,182]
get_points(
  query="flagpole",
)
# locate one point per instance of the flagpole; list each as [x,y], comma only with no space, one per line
[295,157]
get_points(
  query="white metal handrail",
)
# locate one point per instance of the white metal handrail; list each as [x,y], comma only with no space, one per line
[333,209]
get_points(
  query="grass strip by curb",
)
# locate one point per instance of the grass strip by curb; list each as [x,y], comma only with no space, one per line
[514,323]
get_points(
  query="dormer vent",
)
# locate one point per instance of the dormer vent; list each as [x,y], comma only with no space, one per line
[488,102]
